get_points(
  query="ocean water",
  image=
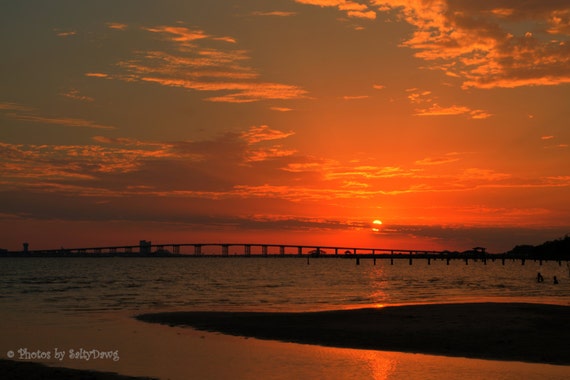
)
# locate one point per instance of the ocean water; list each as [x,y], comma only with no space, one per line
[73,285]
[50,303]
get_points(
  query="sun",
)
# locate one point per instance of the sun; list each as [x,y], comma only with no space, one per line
[376,225]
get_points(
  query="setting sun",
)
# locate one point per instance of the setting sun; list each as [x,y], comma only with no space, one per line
[376,225]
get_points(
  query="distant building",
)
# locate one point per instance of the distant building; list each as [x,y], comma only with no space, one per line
[145,246]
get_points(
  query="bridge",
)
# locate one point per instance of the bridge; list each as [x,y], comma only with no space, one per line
[147,249]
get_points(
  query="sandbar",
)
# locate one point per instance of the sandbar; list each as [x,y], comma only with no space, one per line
[535,333]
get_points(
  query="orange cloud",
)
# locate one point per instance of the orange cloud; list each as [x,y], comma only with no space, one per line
[64,122]
[446,159]
[431,108]
[483,44]
[179,33]
[437,110]
[68,33]
[76,95]
[274,13]
[281,109]
[97,75]
[202,68]
[14,107]
[352,8]
[117,26]
[355,97]
[264,133]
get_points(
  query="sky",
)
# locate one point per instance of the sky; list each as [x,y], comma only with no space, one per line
[285,122]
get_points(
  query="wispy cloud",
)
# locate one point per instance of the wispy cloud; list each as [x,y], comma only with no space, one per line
[28,114]
[274,13]
[65,33]
[427,106]
[117,26]
[437,110]
[439,160]
[351,8]
[355,97]
[281,109]
[97,75]
[9,106]
[76,95]
[193,60]
[264,133]
[59,121]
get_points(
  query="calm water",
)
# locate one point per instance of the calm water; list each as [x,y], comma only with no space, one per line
[72,302]
[69,285]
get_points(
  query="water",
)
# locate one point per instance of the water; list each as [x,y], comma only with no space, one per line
[51,302]
[69,285]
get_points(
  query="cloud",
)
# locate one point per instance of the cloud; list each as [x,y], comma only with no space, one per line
[28,114]
[351,8]
[355,97]
[179,33]
[76,95]
[440,160]
[117,26]
[490,44]
[274,13]
[281,109]
[97,75]
[59,121]
[437,110]
[429,107]
[65,33]
[8,106]
[264,133]
[193,60]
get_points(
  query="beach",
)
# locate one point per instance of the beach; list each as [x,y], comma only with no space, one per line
[36,371]
[330,319]
[534,333]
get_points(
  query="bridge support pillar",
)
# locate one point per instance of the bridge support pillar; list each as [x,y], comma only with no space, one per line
[197,249]
[282,250]
[264,250]
[225,249]
[247,250]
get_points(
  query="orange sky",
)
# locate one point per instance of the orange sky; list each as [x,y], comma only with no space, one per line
[285,122]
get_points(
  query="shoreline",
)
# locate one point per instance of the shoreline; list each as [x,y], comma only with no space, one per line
[534,333]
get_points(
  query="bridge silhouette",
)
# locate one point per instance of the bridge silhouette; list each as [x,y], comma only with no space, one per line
[147,249]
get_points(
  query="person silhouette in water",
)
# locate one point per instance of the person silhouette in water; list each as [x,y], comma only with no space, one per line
[539,278]
[555,281]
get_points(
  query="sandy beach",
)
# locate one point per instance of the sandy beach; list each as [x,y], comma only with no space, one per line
[524,332]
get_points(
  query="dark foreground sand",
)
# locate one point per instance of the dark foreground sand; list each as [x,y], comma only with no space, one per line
[34,371]
[499,331]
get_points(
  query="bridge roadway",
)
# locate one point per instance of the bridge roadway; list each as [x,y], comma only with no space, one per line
[147,249]
[236,249]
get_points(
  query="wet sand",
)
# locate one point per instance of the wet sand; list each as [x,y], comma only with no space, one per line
[36,371]
[533,333]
